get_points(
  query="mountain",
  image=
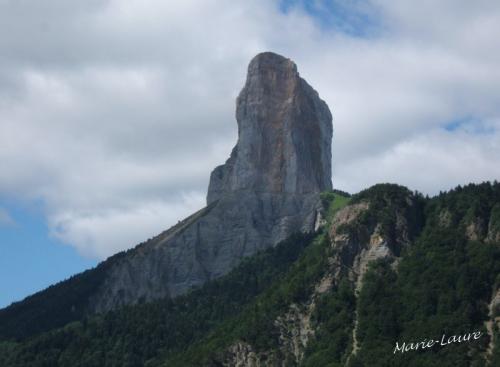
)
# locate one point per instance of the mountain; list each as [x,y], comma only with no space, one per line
[279,269]
[386,266]
[267,190]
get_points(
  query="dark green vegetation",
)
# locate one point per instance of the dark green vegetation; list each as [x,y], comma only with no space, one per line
[443,284]
[255,325]
[385,201]
[136,334]
[47,309]
[333,318]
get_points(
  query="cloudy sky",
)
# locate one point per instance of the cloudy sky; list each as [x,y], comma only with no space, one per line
[114,112]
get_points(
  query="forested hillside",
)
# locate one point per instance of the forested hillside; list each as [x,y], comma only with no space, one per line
[387,266]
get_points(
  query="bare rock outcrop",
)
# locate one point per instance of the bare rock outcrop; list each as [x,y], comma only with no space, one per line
[295,328]
[361,233]
[268,189]
[494,225]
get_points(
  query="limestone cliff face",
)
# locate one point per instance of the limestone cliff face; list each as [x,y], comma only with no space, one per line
[268,189]
[284,135]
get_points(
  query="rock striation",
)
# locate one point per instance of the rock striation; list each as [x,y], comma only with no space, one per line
[268,189]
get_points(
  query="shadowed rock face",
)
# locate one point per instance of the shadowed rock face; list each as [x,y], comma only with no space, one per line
[268,189]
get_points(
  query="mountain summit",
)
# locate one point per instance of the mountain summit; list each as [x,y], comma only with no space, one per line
[284,135]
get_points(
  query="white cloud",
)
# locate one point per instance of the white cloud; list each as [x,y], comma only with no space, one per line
[101,232]
[433,161]
[113,113]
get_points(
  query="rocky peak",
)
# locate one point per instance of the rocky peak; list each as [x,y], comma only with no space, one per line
[284,135]
[268,189]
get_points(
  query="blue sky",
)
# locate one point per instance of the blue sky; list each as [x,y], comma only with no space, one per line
[30,259]
[357,18]
[114,112]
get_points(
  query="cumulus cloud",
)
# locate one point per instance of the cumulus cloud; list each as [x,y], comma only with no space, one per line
[113,113]
[429,162]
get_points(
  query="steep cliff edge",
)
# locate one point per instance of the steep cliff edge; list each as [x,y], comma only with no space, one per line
[284,135]
[268,189]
